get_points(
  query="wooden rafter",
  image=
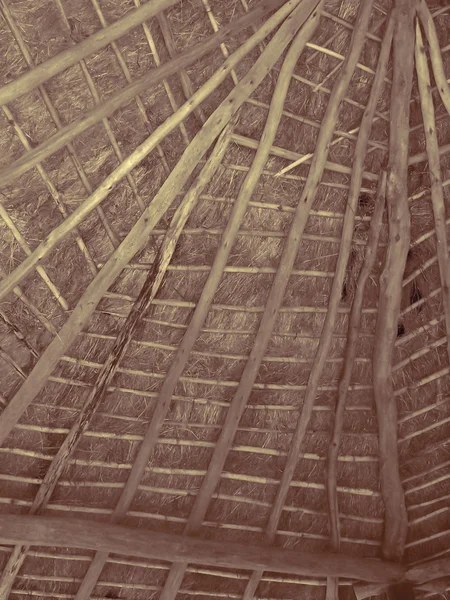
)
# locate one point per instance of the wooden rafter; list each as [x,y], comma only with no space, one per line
[289,253]
[396,521]
[280,40]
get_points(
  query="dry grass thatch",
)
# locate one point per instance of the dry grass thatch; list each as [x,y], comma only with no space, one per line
[203,204]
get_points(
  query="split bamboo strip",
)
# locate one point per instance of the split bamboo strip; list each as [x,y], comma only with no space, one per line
[396,521]
[350,356]
[435,54]
[27,250]
[51,188]
[160,203]
[53,113]
[287,261]
[437,195]
[285,33]
[121,344]
[139,233]
[107,107]
[105,537]
[182,73]
[51,67]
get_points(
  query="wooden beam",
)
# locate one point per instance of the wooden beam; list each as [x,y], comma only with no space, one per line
[396,520]
[106,537]
[51,67]
[307,13]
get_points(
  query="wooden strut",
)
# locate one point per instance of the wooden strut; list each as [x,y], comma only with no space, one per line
[121,344]
[349,360]
[283,36]
[89,534]
[396,520]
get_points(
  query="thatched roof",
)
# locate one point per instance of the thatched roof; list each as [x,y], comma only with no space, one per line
[225,291]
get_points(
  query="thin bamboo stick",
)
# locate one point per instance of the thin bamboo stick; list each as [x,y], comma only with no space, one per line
[350,356]
[139,233]
[97,100]
[287,261]
[286,31]
[396,521]
[437,196]
[107,107]
[182,73]
[120,347]
[17,291]
[51,67]
[51,188]
[157,207]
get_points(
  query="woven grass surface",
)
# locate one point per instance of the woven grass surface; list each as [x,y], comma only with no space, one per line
[39,200]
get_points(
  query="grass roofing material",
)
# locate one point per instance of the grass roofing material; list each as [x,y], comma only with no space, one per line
[30,318]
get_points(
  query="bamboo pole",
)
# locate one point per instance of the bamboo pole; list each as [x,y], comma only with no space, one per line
[285,33]
[65,59]
[437,195]
[106,537]
[227,107]
[107,107]
[396,521]
[349,360]
[139,233]
[121,344]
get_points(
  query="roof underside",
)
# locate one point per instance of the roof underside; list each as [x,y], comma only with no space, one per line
[217,433]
